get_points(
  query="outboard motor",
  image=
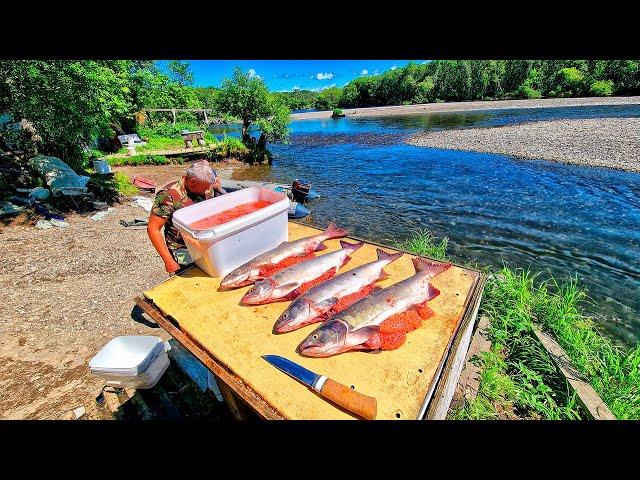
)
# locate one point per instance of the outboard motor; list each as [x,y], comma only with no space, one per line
[300,189]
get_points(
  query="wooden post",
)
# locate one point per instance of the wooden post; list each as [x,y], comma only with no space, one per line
[238,410]
[587,396]
[206,120]
[173,112]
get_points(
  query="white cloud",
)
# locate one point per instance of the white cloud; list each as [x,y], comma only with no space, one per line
[296,87]
[425,62]
[324,76]
[394,67]
[364,72]
[252,73]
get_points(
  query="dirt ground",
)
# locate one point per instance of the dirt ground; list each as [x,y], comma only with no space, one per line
[65,293]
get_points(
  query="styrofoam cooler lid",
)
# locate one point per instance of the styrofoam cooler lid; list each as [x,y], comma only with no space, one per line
[127,355]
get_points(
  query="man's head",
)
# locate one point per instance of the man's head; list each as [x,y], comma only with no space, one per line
[199,177]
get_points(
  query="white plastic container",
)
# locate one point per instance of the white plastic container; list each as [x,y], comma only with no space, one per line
[146,379]
[131,361]
[223,248]
[127,355]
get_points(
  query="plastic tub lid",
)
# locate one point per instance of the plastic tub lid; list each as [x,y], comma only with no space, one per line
[127,354]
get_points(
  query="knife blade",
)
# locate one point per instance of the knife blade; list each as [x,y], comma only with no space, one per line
[355,402]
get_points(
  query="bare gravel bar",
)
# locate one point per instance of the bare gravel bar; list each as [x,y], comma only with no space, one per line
[467,106]
[602,142]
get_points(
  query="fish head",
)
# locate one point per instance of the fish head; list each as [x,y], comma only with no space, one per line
[261,292]
[328,339]
[239,277]
[297,315]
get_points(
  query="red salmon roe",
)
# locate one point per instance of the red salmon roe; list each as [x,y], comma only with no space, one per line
[228,215]
[306,286]
[269,270]
[349,300]
[393,330]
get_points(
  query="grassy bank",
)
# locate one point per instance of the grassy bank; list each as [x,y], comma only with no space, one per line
[518,379]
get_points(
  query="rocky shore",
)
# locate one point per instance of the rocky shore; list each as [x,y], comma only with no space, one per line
[602,142]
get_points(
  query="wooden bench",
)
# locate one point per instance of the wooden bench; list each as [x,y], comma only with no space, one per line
[189,137]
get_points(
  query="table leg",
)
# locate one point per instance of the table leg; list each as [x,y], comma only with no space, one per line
[237,407]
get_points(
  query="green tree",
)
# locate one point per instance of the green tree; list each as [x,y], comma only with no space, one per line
[180,72]
[328,99]
[70,103]
[247,98]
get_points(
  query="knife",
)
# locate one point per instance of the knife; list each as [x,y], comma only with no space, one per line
[362,405]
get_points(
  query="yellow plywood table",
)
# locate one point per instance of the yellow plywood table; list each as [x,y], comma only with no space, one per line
[236,337]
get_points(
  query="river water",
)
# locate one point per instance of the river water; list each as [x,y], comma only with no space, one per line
[564,220]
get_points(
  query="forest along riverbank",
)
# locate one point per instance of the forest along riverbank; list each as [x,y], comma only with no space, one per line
[603,142]
[469,106]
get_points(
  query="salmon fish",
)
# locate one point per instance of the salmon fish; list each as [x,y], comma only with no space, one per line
[381,320]
[284,255]
[296,279]
[334,295]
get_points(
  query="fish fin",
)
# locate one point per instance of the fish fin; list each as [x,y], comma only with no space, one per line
[321,246]
[433,292]
[332,231]
[391,257]
[361,335]
[325,304]
[350,247]
[383,275]
[433,268]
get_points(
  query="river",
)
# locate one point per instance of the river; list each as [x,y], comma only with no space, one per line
[563,220]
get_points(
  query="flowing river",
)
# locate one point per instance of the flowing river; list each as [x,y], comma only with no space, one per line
[564,220]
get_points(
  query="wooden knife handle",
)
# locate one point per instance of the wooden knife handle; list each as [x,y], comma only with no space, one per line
[362,405]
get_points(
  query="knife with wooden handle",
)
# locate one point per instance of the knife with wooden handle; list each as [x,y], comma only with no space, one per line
[355,402]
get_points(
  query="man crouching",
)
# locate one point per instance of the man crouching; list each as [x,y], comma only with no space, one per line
[199,183]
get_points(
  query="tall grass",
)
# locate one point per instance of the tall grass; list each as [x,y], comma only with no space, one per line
[424,243]
[123,184]
[518,379]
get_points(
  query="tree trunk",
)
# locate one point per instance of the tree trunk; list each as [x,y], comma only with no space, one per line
[262,142]
[246,138]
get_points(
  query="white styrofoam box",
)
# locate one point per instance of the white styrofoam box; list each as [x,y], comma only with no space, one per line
[127,355]
[223,248]
[146,379]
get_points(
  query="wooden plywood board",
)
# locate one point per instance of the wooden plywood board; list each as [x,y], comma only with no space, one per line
[237,336]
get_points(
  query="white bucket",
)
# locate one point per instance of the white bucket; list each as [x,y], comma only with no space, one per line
[225,247]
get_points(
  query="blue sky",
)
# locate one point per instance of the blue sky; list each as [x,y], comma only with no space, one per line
[287,75]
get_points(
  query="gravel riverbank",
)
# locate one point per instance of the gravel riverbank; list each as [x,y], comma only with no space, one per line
[602,142]
[467,106]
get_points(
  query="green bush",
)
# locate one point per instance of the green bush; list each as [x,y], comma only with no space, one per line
[571,80]
[142,160]
[231,147]
[123,184]
[166,129]
[601,88]
[525,91]
[337,112]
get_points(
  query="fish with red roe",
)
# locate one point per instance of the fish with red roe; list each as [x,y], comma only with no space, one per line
[381,320]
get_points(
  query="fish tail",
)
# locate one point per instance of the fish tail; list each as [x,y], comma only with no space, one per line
[432,268]
[332,231]
[350,247]
[391,257]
